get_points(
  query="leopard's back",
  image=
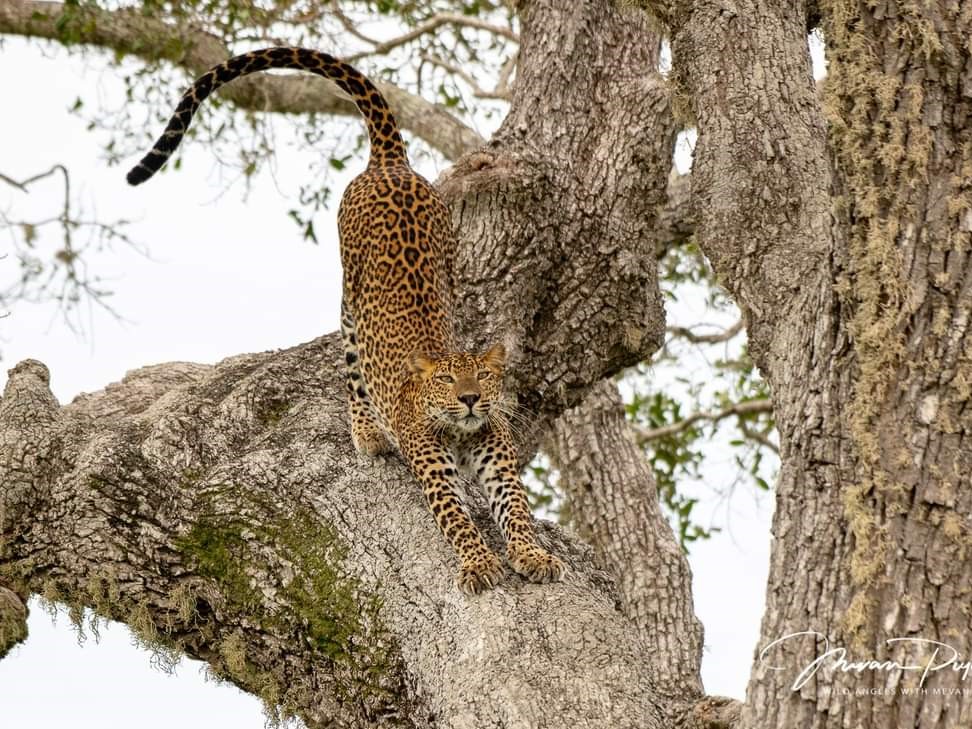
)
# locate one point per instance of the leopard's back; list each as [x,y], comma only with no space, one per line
[395,235]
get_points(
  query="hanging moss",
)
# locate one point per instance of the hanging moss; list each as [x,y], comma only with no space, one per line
[166,653]
[246,556]
[878,127]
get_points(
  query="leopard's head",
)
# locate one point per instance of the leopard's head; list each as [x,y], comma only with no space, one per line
[458,390]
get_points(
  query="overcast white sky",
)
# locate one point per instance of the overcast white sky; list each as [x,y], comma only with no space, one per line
[226,276]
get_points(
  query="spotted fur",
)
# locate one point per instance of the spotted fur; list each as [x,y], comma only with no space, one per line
[409,386]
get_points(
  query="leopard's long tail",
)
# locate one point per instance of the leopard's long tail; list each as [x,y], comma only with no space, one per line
[386,141]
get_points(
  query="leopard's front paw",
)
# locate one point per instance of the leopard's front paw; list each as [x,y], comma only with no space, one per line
[370,443]
[480,572]
[535,563]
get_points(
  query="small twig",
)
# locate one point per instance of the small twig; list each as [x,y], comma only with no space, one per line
[23,185]
[690,336]
[506,71]
[758,437]
[349,25]
[13,183]
[747,407]
[68,282]
[433,23]
[478,92]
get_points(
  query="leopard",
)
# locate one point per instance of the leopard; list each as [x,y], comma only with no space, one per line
[411,388]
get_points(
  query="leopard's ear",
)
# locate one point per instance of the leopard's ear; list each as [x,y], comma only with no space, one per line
[495,357]
[422,363]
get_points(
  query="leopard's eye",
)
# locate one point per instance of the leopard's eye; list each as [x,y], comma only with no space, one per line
[483,375]
[445,379]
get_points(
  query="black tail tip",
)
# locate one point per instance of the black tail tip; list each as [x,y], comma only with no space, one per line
[138,174]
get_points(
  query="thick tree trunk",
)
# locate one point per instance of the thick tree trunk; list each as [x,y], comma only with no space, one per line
[857,287]
[590,131]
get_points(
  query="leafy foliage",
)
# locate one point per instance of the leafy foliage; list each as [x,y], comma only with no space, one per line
[673,459]
[701,388]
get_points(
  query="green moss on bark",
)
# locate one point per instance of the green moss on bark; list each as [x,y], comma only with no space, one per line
[295,564]
[882,131]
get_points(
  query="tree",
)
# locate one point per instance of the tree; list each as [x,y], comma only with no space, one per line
[219,511]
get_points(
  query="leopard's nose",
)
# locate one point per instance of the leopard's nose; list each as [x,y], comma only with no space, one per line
[469,398]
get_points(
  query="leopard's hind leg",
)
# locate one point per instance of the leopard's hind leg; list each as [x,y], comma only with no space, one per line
[366,431]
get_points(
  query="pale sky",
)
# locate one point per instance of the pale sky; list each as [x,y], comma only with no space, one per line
[225,276]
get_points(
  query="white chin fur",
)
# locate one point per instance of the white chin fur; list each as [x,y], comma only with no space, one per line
[469,424]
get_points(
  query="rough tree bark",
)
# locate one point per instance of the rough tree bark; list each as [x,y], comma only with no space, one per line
[614,502]
[219,510]
[848,247]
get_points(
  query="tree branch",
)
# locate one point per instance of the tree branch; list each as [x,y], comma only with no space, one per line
[676,219]
[220,512]
[349,25]
[478,92]
[13,620]
[432,24]
[129,31]
[22,185]
[752,435]
[502,88]
[748,407]
[613,502]
[37,284]
[206,503]
[724,336]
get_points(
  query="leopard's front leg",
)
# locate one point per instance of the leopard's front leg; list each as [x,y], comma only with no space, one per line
[435,468]
[493,458]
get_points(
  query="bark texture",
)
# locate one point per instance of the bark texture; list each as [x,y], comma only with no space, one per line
[614,504]
[848,249]
[590,130]
[219,511]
